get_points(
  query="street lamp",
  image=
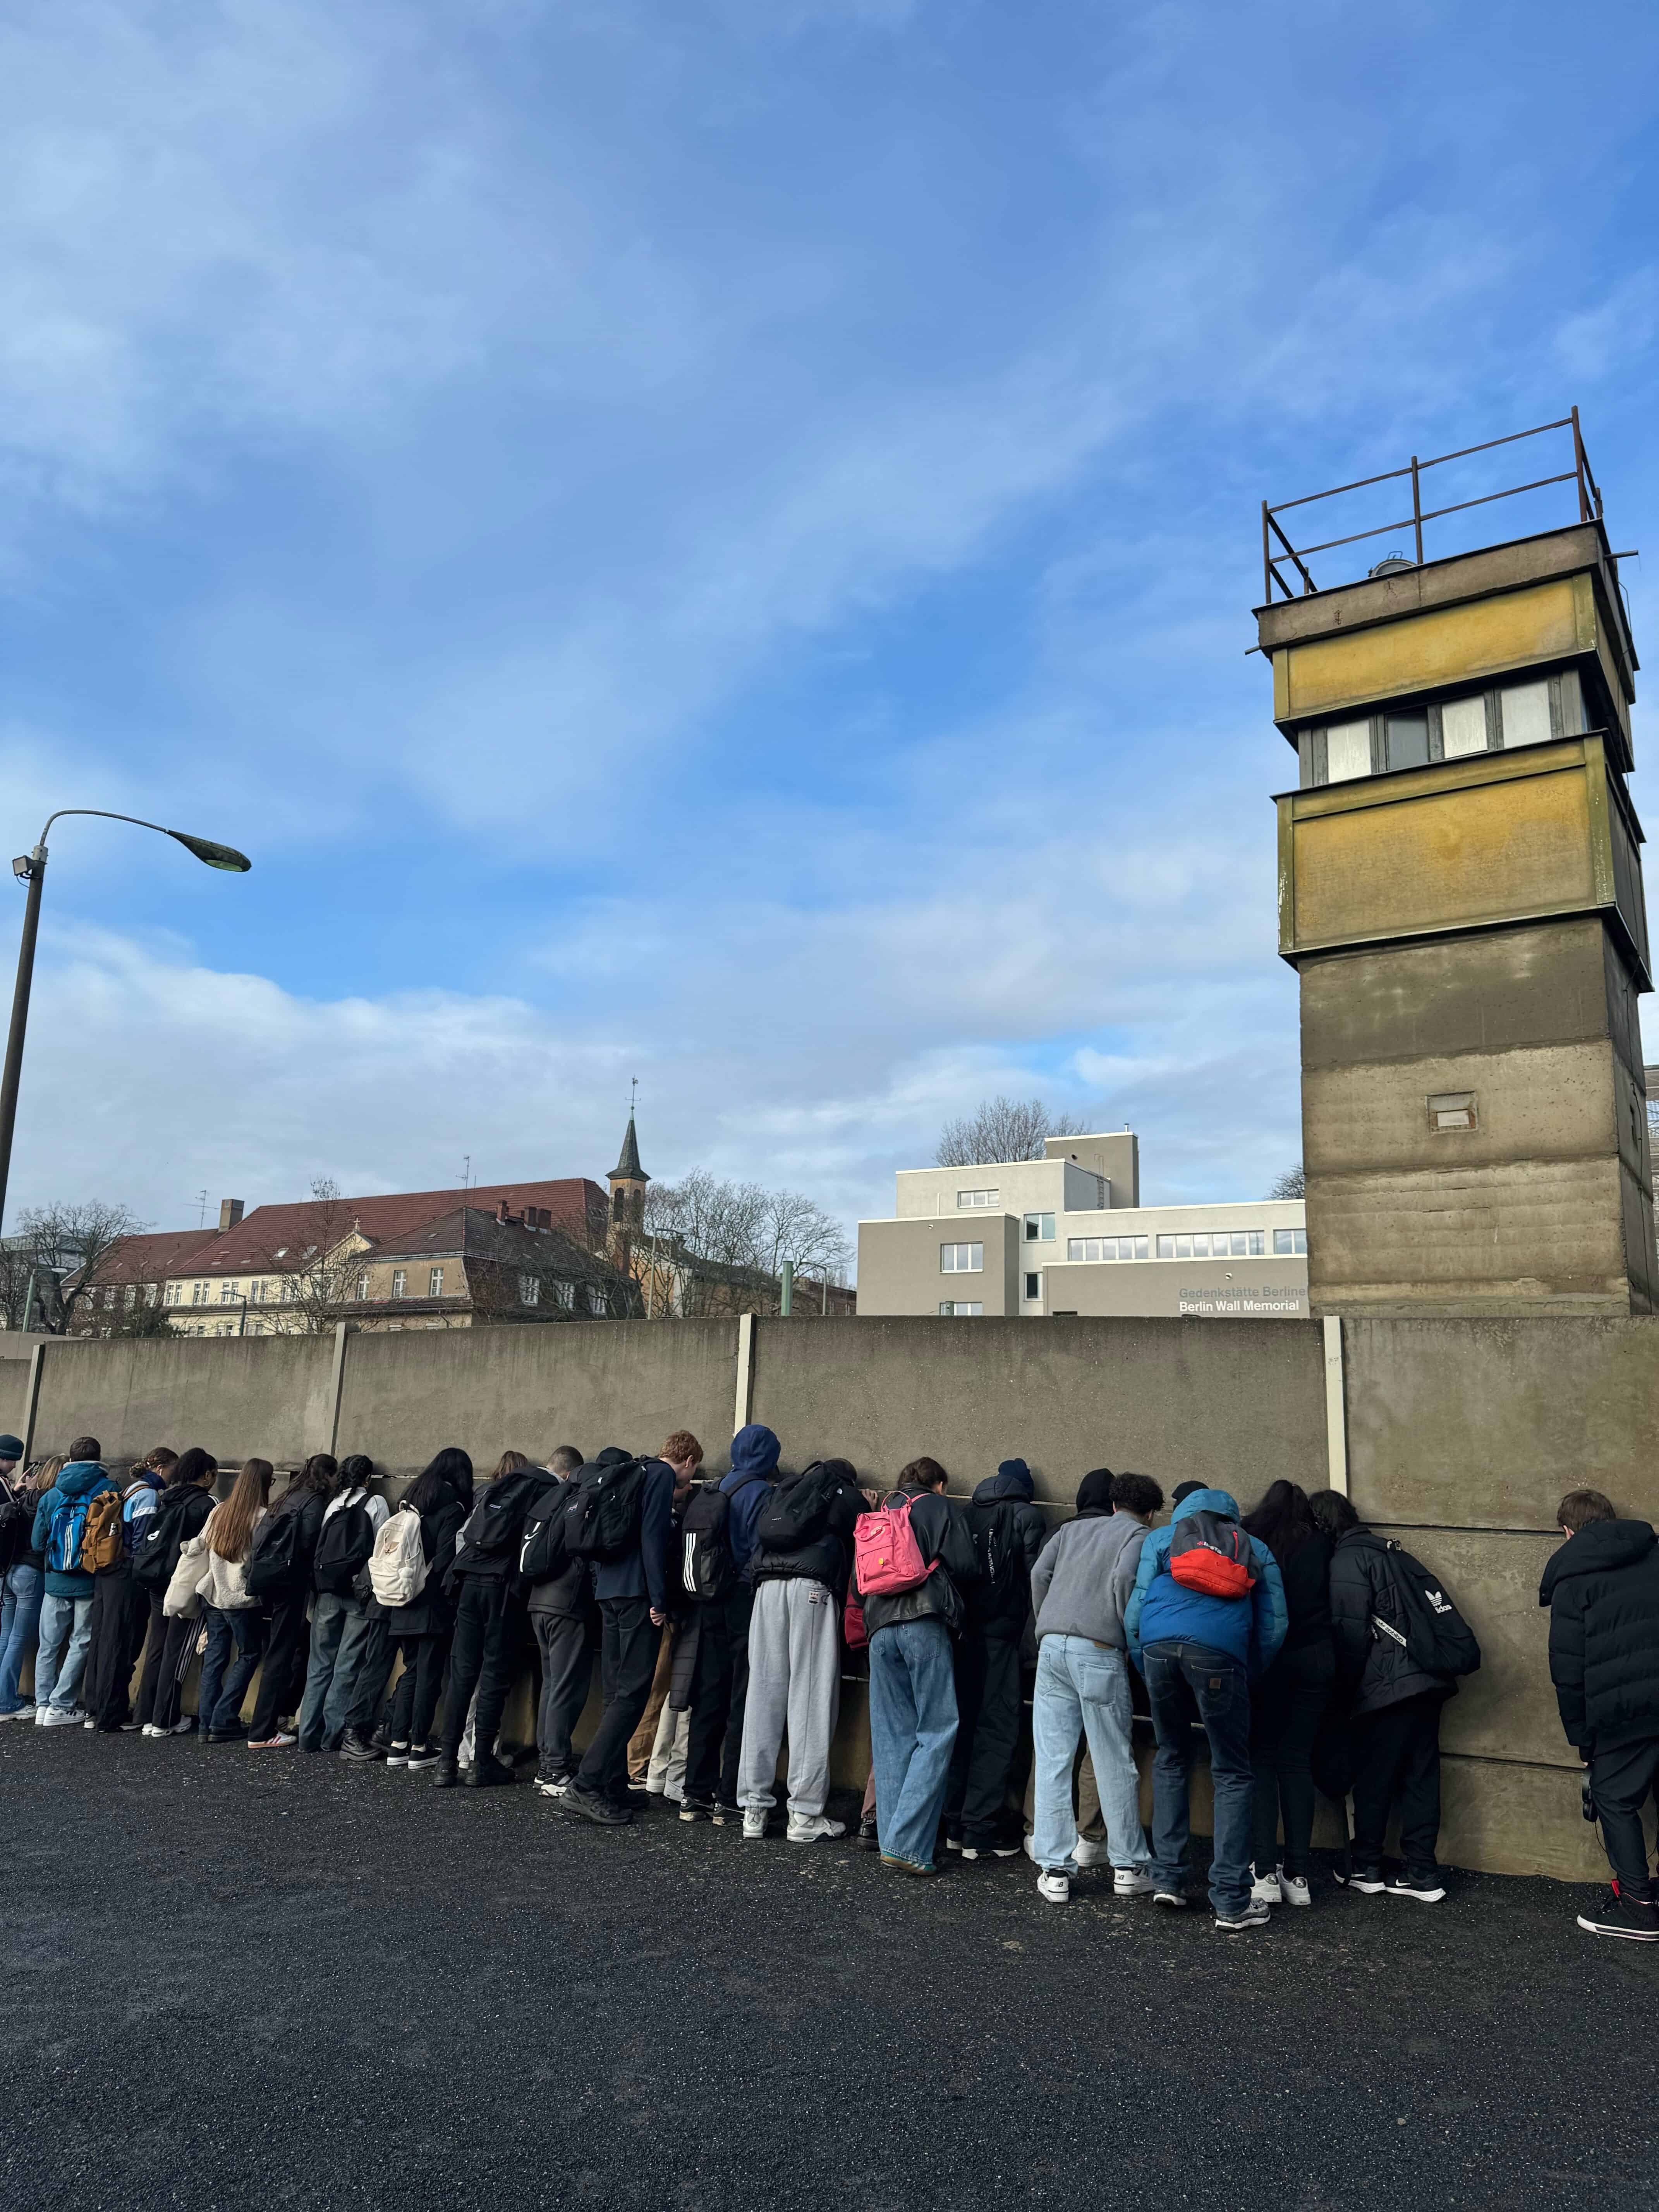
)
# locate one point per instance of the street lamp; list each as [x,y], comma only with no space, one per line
[30,868]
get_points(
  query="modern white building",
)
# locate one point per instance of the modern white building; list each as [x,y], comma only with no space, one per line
[1067,1234]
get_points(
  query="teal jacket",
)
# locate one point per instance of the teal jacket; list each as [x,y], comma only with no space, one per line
[1162,1610]
[81,1478]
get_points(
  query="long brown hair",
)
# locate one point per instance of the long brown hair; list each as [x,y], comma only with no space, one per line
[39,1478]
[232,1525]
[511,1462]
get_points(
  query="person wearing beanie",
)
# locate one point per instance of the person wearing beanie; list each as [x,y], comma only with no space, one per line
[1183,1491]
[11,1450]
[1080,1587]
[1007,1530]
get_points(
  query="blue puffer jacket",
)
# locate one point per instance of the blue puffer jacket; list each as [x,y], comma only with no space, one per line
[753,1463]
[81,1478]
[1161,1610]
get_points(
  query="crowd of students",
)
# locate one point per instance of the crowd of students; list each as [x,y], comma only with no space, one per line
[1311,1654]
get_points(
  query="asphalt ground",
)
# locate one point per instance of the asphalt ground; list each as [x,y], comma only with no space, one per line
[233,1979]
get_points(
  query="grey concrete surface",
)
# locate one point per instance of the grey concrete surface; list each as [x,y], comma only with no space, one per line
[278,1981]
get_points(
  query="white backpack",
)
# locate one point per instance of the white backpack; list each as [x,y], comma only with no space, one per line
[396,1565]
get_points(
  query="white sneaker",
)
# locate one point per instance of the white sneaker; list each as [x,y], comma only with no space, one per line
[149,1729]
[89,1724]
[1086,1854]
[1053,1889]
[1030,1848]
[754,1823]
[811,1828]
[1293,1888]
[1264,1890]
[1131,1881]
[52,1717]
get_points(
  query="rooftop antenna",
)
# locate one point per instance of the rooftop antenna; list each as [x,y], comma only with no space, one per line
[466,1172]
[201,1209]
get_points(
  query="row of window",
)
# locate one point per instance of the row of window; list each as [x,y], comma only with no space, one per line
[960,1308]
[1494,721]
[1202,1244]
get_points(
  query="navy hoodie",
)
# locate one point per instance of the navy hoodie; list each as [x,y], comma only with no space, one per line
[754,1462]
[1003,1609]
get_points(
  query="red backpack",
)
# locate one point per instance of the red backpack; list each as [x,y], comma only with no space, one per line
[887,1559]
[1212,1554]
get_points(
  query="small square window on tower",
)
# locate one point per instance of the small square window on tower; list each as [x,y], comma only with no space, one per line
[1452,1109]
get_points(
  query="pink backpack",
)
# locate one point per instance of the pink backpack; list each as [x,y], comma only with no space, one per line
[887,1557]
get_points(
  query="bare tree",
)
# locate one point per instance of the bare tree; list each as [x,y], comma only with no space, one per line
[796,1227]
[1293,1184]
[714,1246]
[1001,1129]
[66,1256]
[310,1267]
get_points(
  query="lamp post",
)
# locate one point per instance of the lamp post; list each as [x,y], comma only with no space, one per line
[31,869]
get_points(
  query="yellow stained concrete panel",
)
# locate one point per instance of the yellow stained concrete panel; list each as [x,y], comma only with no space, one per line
[1488,851]
[1545,1103]
[1484,637]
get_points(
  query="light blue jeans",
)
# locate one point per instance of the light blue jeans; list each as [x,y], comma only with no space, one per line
[66,1632]
[344,1642]
[20,1623]
[913,1731]
[1083,1688]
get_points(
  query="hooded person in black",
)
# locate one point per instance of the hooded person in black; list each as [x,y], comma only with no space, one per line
[1602,1591]
[1007,1531]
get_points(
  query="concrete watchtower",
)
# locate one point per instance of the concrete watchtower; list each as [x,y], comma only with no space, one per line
[1460,890]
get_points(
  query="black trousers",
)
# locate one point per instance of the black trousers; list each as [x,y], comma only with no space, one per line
[282,1671]
[720,1688]
[483,1657]
[629,1644]
[120,1618]
[568,1645]
[177,1643]
[988,1737]
[1620,1780]
[1286,1708]
[415,1700]
[156,1637]
[1398,1754]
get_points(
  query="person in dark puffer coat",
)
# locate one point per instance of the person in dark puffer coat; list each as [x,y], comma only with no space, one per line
[1602,1592]
[1003,1517]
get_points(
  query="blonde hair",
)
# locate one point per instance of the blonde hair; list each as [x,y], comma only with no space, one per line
[39,1478]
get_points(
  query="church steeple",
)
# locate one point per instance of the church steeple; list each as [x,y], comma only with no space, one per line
[628,1179]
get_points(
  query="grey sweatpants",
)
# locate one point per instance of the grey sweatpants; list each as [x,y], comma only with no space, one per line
[794,1682]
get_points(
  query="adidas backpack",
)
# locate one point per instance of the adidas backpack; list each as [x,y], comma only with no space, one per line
[707,1569]
[1210,1553]
[396,1565]
[1431,1631]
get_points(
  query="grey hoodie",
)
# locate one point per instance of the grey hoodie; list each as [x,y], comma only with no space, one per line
[1082,1578]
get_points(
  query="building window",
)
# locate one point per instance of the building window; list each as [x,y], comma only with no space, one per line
[566,1295]
[131,1298]
[1524,714]
[1034,1286]
[173,1295]
[1463,726]
[961,1259]
[1039,1228]
[978,1197]
[1215,1244]
[1452,1109]
[530,1290]
[595,1301]
[400,1281]
[1290,1242]
[228,1293]
[1106,1248]
[290,1290]
[960,1308]
[363,1287]
[435,1284]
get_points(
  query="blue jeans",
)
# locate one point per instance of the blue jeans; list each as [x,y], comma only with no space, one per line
[245,1626]
[1084,1687]
[20,1621]
[913,1731]
[1187,1682]
[343,1639]
[215,1659]
[61,1660]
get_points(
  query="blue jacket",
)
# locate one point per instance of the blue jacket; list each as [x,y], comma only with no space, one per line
[754,1462]
[81,1478]
[644,1572]
[1160,1610]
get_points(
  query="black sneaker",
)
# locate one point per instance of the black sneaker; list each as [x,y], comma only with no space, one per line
[579,1804]
[234,1733]
[1423,1883]
[356,1747]
[727,1816]
[697,1809]
[1632,1917]
[1367,1879]
[449,1772]
[487,1774]
[867,1840]
[421,1755]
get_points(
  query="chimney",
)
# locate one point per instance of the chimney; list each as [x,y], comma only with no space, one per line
[230,1212]
[501,1213]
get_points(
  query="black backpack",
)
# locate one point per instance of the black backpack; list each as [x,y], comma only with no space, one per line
[796,1514]
[343,1549]
[1432,1632]
[991,1531]
[156,1557]
[273,1560]
[496,1522]
[542,1554]
[15,1523]
[707,1569]
[602,1521]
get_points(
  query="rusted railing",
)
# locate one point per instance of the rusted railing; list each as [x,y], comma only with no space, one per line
[1590,505]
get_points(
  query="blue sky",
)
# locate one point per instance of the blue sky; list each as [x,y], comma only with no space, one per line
[714,541]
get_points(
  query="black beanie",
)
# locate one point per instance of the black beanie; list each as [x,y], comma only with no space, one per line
[1094,1493]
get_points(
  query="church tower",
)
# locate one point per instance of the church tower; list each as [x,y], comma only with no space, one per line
[628,1179]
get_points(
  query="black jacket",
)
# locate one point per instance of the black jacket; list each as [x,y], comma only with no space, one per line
[1371,1668]
[1602,1591]
[569,1595]
[1003,1609]
[939,1533]
[827,1559]
[1306,1575]
[432,1612]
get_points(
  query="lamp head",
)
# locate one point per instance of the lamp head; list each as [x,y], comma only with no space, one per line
[215,856]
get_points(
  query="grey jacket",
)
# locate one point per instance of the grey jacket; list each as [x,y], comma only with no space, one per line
[1082,1578]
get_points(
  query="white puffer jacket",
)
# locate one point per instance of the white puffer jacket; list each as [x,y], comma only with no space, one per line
[224,1582]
